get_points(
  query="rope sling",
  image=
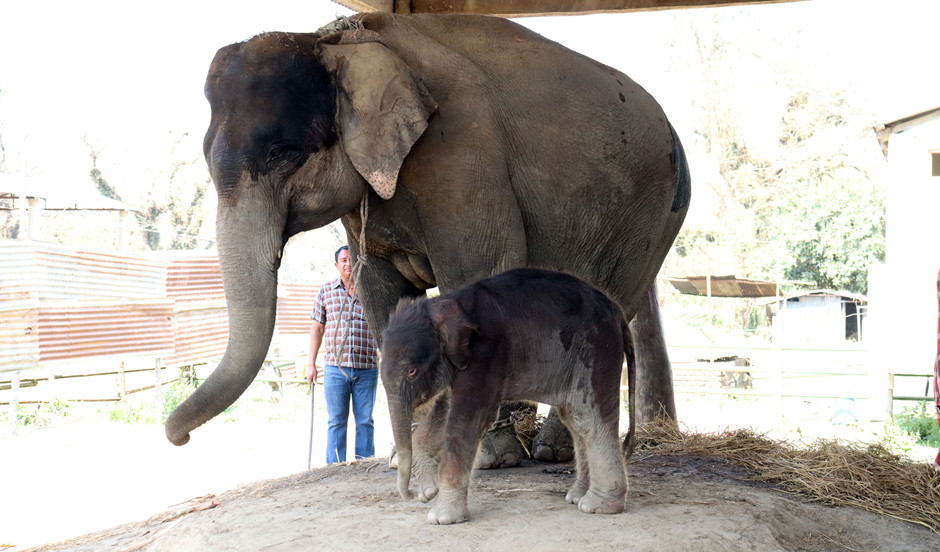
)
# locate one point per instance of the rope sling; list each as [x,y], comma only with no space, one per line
[348,306]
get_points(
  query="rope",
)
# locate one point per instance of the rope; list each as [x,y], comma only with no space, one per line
[361,260]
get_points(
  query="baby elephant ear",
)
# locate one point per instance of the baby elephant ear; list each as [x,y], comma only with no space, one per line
[455,329]
[382,108]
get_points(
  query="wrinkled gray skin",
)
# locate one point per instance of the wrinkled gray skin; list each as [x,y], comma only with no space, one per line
[477,145]
[523,334]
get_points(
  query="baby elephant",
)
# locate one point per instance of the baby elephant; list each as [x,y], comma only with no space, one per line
[525,334]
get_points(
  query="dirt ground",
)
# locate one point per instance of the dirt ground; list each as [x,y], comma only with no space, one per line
[675,503]
[242,485]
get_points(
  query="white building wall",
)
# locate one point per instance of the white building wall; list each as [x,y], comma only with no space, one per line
[913,251]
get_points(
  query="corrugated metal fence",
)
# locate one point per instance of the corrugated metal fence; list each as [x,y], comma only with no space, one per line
[60,303]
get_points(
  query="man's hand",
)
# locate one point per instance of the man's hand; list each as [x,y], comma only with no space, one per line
[312,373]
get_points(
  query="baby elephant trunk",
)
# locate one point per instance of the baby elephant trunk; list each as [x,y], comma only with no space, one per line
[401,428]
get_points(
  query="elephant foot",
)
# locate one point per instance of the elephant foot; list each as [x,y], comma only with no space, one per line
[426,493]
[500,449]
[451,507]
[595,502]
[553,442]
[426,475]
[577,491]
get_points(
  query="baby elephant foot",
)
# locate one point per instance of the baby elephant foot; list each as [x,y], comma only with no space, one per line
[595,502]
[451,507]
[578,490]
[426,474]
[425,494]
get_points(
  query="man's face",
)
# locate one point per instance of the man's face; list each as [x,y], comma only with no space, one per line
[342,264]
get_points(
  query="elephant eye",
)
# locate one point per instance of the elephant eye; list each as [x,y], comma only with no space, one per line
[279,154]
[413,372]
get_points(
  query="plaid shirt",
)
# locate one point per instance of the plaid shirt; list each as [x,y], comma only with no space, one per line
[360,347]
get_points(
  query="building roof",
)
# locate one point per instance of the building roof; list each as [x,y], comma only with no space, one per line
[884,131]
[857,297]
[725,286]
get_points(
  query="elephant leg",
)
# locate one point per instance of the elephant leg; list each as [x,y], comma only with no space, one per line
[501,447]
[582,467]
[428,442]
[601,458]
[466,422]
[654,391]
[553,442]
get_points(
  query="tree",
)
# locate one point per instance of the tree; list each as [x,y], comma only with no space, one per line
[828,219]
[104,188]
[803,208]
[175,203]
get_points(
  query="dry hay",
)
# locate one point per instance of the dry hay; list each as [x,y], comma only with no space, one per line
[527,423]
[830,471]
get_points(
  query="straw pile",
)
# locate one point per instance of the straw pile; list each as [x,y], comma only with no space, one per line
[833,472]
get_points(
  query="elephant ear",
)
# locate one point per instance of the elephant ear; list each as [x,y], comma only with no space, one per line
[456,330]
[382,107]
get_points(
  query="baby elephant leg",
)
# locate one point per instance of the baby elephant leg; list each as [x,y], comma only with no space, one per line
[582,469]
[607,490]
[428,441]
[468,418]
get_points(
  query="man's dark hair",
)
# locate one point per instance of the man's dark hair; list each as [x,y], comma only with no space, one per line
[338,251]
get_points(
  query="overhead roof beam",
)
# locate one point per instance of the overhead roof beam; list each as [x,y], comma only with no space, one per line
[521,8]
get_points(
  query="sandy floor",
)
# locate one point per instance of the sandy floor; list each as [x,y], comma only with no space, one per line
[80,478]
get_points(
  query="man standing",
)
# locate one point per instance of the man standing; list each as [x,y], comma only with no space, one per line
[350,370]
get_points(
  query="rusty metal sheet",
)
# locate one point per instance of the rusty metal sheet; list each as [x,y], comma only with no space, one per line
[54,272]
[200,333]
[19,335]
[194,278]
[132,327]
[294,305]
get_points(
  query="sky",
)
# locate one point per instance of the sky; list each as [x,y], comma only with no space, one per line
[129,79]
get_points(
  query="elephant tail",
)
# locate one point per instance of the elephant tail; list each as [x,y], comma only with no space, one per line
[629,442]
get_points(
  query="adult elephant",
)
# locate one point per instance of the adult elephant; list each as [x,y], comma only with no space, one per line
[452,148]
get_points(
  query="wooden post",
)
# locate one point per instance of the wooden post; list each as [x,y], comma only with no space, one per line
[158,383]
[778,346]
[711,317]
[889,407]
[14,402]
[123,389]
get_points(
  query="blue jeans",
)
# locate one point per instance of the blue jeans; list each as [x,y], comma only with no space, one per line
[360,386]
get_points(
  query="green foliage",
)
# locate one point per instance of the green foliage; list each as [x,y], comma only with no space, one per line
[104,188]
[801,208]
[38,415]
[920,422]
[827,223]
[177,392]
[144,413]
[175,204]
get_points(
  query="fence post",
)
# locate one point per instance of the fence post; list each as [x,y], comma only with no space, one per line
[889,407]
[158,383]
[14,401]
[122,391]
[779,344]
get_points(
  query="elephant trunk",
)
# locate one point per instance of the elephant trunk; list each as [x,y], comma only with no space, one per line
[249,254]
[401,430]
